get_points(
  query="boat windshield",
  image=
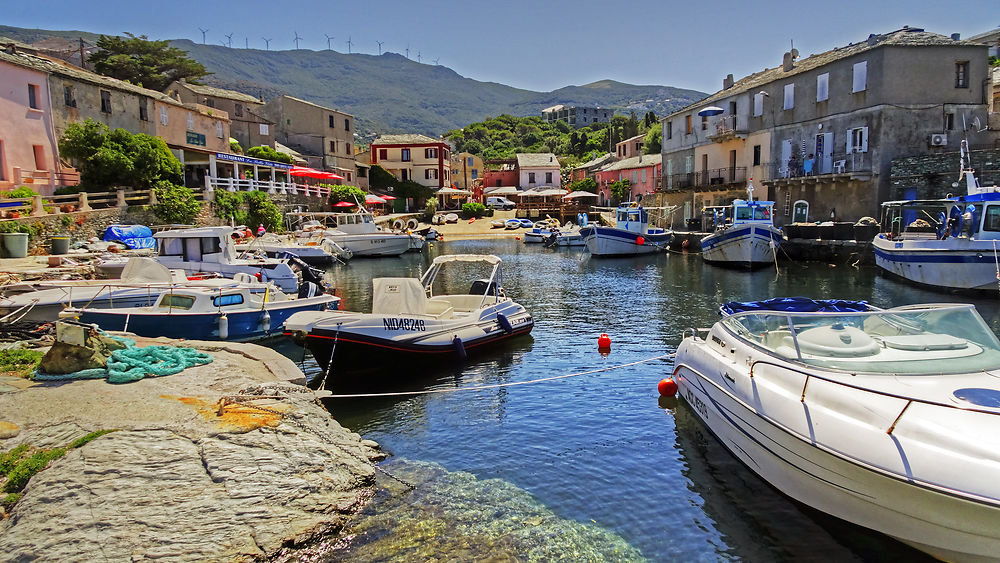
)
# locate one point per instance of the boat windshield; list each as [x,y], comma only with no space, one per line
[919,340]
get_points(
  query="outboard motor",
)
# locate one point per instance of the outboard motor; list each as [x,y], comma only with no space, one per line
[309,289]
[483,287]
[309,274]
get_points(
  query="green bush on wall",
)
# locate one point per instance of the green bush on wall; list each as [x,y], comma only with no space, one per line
[473,209]
[248,208]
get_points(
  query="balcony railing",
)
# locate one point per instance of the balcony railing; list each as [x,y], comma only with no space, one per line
[837,163]
[706,178]
[240,185]
[726,127]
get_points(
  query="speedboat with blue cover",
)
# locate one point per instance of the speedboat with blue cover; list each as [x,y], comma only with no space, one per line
[230,312]
[410,322]
[745,234]
[631,234]
[945,243]
[886,418]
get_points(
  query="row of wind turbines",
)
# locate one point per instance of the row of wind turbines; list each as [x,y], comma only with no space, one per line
[329,43]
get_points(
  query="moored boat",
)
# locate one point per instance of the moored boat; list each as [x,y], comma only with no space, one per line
[409,322]
[886,418]
[631,235]
[745,234]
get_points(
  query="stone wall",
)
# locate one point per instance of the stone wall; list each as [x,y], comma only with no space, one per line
[933,176]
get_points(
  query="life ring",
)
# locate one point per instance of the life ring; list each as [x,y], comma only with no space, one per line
[398,224]
[411,223]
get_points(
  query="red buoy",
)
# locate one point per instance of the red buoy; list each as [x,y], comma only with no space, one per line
[640,241]
[667,387]
[604,341]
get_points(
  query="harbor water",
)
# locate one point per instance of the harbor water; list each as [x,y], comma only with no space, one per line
[593,467]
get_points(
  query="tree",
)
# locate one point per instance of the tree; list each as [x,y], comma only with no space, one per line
[108,158]
[653,142]
[175,204]
[265,152]
[585,185]
[620,189]
[380,179]
[349,194]
[151,64]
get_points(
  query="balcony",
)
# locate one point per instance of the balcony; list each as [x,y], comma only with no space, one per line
[718,177]
[839,167]
[727,128]
[238,185]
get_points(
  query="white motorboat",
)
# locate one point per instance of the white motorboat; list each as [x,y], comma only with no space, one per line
[211,249]
[358,233]
[569,235]
[887,418]
[230,311]
[409,322]
[310,249]
[945,243]
[632,234]
[142,282]
[745,234]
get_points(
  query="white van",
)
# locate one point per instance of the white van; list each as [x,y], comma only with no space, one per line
[498,202]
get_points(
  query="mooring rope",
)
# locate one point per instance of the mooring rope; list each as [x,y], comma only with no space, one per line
[499,385]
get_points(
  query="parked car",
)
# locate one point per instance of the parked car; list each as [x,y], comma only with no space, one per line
[497,202]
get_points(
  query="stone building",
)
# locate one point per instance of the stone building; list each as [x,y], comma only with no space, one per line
[247,126]
[850,111]
[577,116]
[415,157]
[324,136]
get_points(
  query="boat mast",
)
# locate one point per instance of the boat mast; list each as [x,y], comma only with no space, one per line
[966,170]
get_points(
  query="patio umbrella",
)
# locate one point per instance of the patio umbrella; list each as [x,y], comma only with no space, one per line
[344,204]
[578,194]
[372,198]
[306,172]
[387,197]
[710,111]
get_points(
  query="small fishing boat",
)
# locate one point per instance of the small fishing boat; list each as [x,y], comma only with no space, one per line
[539,234]
[410,322]
[944,243]
[356,232]
[632,234]
[451,218]
[886,418]
[745,234]
[497,224]
[527,224]
[310,249]
[231,312]
[512,224]
[566,236]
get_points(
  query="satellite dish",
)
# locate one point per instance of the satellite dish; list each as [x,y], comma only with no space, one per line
[978,125]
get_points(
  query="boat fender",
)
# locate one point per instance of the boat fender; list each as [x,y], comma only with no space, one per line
[299,337]
[504,323]
[265,322]
[411,223]
[667,387]
[223,328]
[640,241]
[459,347]
[398,224]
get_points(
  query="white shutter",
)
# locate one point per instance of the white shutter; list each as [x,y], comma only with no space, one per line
[863,145]
[163,115]
[263,129]
[860,77]
[850,141]
[758,104]
[823,87]
[789,96]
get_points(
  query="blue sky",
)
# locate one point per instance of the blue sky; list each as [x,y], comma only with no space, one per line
[539,45]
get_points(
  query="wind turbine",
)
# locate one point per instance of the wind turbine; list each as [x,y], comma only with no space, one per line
[297,39]
[407,50]
[418,56]
[267,43]
[380,47]
[329,38]
[349,45]
[246,42]
[436,61]
[203,31]
[229,39]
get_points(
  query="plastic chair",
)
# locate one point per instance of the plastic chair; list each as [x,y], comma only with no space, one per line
[838,166]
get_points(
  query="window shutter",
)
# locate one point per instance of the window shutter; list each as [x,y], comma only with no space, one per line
[850,141]
[864,139]
[823,87]
[789,96]
[860,77]
[758,104]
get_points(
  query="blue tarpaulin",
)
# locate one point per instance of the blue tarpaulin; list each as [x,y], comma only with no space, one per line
[796,305]
[133,236]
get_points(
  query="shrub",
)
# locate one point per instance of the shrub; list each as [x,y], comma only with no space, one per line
[23,362]
[10,459]
[248,208]
[267,153]
[175,204]
[234,146]
[32,229]
[349,194]
[18,477]
[22,192]
[473,209]
[431,209]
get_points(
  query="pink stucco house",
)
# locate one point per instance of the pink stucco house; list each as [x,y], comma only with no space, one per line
[643,173]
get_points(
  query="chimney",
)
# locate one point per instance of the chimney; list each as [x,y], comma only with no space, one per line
[956,36]
[786,62]
[727,82]
[872,40]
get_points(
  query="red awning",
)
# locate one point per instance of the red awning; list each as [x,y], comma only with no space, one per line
[306,172]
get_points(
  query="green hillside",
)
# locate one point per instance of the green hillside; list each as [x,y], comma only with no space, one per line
[390,93]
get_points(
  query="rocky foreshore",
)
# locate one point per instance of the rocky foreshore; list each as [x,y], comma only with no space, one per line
[177,480]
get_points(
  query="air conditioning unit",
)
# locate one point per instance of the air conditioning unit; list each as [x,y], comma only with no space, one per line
[938,140]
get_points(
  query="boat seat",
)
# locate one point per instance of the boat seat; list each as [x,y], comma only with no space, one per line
[920,342]
[462,303]
[393,296]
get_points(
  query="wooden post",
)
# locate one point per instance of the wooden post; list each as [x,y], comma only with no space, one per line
[36,206]
[82,203]
[152,197]
[121,198]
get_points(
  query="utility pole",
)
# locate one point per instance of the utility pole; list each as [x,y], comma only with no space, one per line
[380,47]
[203,31]
[349,45]
[329,38]
[267,43]
[297,39]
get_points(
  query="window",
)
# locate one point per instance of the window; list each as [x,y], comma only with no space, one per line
[333,146]
[498,183]
[144,109]
[670,130]
[218,129]
[383,154]
[239,110]
[758,104]
[470,161]
[992,220]
[704,122]
[687,125]
[644,175]
[39,151]
[430,153]
[860,82]
[33,96]
[288,122]
[857,140]
[347,148]
[823,87]
[169,300]
[3,175]
[69,95]
[163,115]
[106,102]
[333,123]
[431,174]
[474,173]
[756,155]
[962,74]
[264,129]
[210,102]
[732,108]
[635,176]
[225,300]
[190,120]
[349,177]
[405,155]
[789,96]
[531,177]
[548,177]
[347,124]
[949,121]
[404,175]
